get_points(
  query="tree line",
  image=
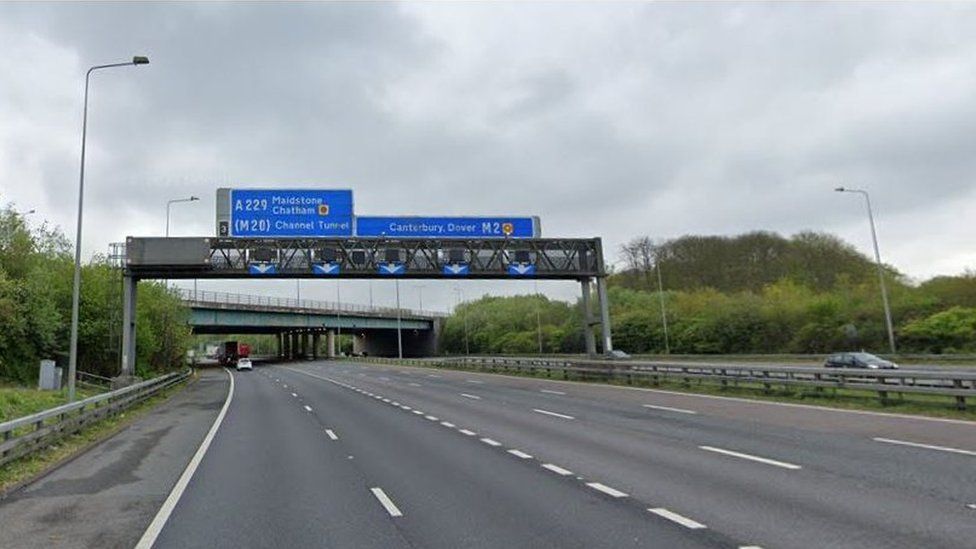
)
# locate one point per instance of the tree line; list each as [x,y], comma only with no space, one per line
[36,273]
[753,293]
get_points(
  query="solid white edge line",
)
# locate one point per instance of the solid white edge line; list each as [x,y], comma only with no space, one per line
[554,414]
[926,446]
[331,434]
[669,409]
[675,517]
[606,489]
[750,547]
[159,521]
[750,457]
[520,454]
[551,392]
[386,502]
[557,469]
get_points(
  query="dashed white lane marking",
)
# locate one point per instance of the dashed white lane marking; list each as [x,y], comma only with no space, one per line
[386,502]
[159,521]
[467,432]
[548,391]
[432,418]
[675,517]
[294,395]
[554,414]
[557,469]
[418,412]
[386,400]
[414,384]
[926,446]
[606,489]
[331,434]
[474,397]
[491,442]
[384,378]
[971,505]
[474,381]
[433,375]
[520,454]
[448,424]
[284,386]
[750,457]
[405,407]
[308,408]
[669,409]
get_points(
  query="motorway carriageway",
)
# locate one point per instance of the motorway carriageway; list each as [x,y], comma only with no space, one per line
[340,454]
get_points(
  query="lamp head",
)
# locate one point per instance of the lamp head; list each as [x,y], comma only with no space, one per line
[840,189]
[192,198]
[140,60]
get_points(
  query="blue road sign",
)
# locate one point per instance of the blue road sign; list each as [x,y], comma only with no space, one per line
[448,227]
[391,269]
[262,269]
[325,268]
[521,269]
[456,269]
[290,212]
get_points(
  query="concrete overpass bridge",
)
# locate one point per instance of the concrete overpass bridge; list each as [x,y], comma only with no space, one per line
[300,324]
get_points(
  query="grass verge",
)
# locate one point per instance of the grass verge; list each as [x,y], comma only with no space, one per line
[847,399]
[29,468]
[19,401]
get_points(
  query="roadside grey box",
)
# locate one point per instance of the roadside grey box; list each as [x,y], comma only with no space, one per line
[49,378]
[150,251]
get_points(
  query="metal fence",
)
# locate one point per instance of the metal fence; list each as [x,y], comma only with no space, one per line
[956,385]
[22,436]
[227,298]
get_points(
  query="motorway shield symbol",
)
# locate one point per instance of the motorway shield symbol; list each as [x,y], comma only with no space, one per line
[456,269]
[325,268]
[521,269]
[391,269]
[262,269]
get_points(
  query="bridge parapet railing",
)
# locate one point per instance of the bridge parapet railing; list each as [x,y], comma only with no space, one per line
[206,296]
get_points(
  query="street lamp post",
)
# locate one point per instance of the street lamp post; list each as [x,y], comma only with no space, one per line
[399,331]
[76,287]
[170,203]
[877,259]
[464,316]
[538,315]
[420,291]
[660,293]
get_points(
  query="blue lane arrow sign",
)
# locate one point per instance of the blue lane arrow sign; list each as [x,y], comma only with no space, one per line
[325,268]
[392,269]
[455,269]
[262,268]
[521,269]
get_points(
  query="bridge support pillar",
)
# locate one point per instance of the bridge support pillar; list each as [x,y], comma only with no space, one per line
[279,347]
[601,290]
[293,346]
[330,344]
[588,338]
[129,294]
[316,340]
[305,347]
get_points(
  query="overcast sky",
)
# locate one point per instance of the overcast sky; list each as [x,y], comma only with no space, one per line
[609,120]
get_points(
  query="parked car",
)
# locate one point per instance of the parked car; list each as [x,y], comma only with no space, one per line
[859,360]
[244,364]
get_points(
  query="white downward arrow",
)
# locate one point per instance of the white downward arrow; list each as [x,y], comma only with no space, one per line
[391,268]
[455,269]
[522,269]
[262,268]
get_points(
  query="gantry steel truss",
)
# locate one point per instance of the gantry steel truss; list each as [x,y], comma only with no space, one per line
[543,258]
[579,259]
